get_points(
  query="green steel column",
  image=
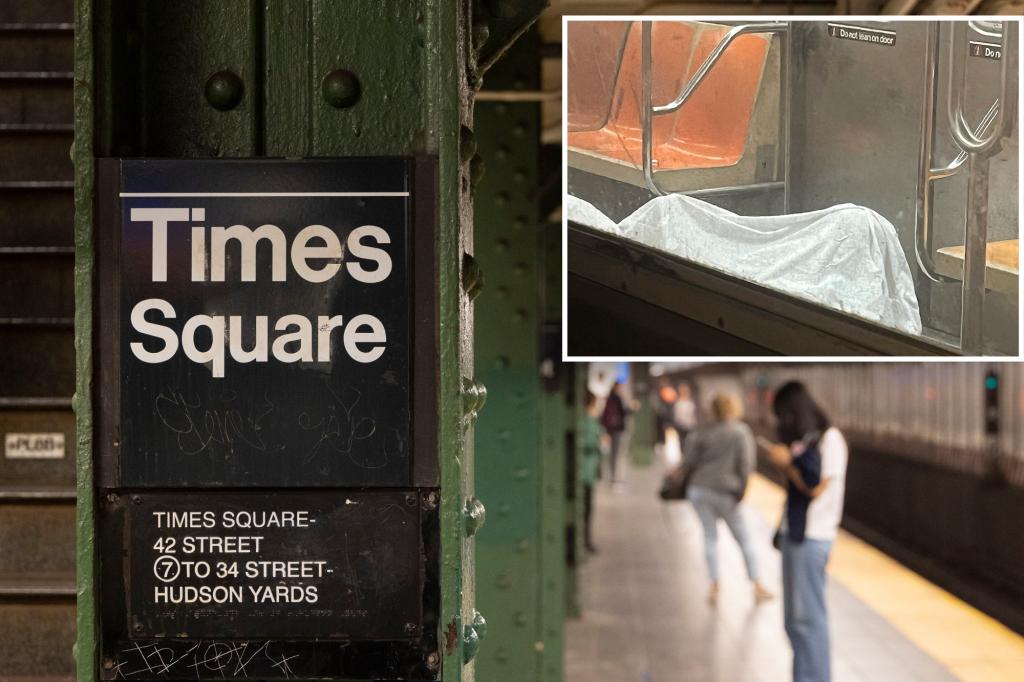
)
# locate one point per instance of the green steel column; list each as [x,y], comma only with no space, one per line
[574,497]
[508,319]
[644,430]
[239,78]
[82,153]
[556,422]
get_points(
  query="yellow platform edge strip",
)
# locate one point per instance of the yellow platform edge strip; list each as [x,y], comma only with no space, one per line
[970,644]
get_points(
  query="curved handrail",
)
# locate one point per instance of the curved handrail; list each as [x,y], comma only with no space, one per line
[961,131]
[698,77]
[986,27]
[954,166]
[648,110]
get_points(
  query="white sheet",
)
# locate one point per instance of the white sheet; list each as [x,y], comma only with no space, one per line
[845,257]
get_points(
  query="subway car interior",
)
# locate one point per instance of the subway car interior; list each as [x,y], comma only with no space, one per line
[774,187]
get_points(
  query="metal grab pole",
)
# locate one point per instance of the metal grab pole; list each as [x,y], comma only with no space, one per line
[645,109]
[980,146]
[973,302]
[922,228]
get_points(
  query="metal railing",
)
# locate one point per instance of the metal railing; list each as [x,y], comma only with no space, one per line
[649,110]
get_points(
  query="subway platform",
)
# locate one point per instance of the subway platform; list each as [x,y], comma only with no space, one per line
[646,617]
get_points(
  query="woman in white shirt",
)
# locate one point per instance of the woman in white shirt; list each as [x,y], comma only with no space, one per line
[812,454]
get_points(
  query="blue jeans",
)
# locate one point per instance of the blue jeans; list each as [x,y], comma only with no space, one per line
[710,506]
[803,586]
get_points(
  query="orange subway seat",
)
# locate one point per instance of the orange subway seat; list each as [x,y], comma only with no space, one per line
[594,49]
[710,130]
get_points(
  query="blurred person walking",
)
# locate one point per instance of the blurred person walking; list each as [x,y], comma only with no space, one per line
[590,465]
[721,457]
[812,454]
[613,419]
[663,404]
[684,414]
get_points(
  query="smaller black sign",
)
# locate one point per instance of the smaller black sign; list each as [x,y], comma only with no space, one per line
[275,565]
[861,34]
[985,50]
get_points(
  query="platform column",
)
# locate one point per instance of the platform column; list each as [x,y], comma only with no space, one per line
[242,79]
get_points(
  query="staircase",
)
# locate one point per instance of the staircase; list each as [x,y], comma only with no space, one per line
[37,358]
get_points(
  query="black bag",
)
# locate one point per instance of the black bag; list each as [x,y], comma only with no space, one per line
[675,483]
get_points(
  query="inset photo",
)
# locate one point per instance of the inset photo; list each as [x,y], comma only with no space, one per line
[758,187]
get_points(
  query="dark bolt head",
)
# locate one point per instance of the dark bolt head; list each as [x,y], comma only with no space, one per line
[481,32]
[410,628]
[136,499]
[108,663]
[433,660]
[224,90]
[341,88]
[505,9]
[476,169]
[467,143]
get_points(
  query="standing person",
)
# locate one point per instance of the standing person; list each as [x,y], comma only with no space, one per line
[721,457]
[812,454]
[613,419]
[590,465]
[664,402]
[684,414]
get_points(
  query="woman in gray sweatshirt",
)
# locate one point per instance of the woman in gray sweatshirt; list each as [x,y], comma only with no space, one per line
[721,457]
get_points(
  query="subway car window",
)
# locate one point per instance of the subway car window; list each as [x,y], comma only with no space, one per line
[859,168]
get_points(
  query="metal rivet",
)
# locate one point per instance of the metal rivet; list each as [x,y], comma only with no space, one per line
[481,32]
[224,90]
[474,515]
[433,660]
[470,643]
[479,624]
[476,169]
[341,88]
[467,144]
[474,395]
[472,276]
[506,9]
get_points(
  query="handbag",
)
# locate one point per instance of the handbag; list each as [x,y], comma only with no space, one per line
[675,483]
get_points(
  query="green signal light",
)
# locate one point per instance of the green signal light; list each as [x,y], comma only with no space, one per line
[991,382]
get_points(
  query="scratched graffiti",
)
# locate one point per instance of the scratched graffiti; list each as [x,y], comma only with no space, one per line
[197,426]
[227,659]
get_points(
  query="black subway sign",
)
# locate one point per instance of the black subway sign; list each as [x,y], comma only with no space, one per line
[862,34]
[265,322]
[267,494]
[277,565]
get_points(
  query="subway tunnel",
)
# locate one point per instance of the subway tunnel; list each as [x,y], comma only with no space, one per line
[471,561]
